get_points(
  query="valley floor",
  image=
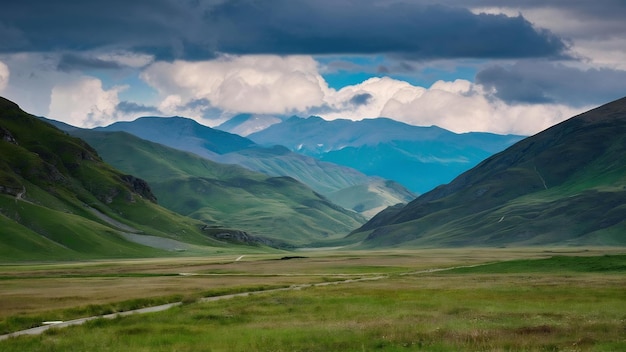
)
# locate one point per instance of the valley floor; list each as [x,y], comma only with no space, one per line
[533,299]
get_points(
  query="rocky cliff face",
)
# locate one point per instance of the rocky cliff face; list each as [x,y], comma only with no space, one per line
[238,236]
[139,187]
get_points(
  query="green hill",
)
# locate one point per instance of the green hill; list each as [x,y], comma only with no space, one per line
[60,201]
[563,186]
[323,177]
[279,208]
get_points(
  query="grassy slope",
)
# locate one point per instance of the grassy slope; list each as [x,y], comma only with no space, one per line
[69,236]
[566,185]
[226,195]
[49,180]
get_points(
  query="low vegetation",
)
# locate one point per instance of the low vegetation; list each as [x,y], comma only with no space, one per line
[516,300]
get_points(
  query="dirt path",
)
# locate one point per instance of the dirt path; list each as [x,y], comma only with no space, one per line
[62,324]
[40,329]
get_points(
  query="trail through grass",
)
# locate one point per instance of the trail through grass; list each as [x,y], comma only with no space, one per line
[521,308]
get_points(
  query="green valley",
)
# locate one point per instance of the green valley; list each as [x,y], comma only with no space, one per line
[323,177]
[280,209]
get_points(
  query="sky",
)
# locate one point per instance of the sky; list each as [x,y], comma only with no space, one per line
[510,66]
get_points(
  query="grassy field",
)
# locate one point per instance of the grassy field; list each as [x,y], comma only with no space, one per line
[520,300]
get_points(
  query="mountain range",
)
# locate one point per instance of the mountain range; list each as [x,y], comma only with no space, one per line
[563,186]
[326,178]
[419,158]
[280,210]
[63,196]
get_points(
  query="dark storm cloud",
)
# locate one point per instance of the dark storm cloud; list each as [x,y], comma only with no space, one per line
[196,29]
[12,38]
[364,27]
[541,82]
[596,19]
[166,27]
[599,8]
[71,62]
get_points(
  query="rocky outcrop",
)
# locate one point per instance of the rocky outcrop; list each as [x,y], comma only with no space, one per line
[239,236]
[139,187]
[6,136]
[13,191]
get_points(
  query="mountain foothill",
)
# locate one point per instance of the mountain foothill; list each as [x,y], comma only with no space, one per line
[170,186]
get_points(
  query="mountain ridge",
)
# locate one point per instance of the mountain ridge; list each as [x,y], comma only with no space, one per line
[324,177]
[420,158]
[564,185]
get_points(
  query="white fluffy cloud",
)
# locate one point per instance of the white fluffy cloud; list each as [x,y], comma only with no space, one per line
[474,110]
[263,84]
[40,88]
[380,91]
[84,102]
[292,85]
[257,83]
[31,81]
[459,106]
[4,76]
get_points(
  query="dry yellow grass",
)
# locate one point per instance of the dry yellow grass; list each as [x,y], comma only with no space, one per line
[410,308]
[40,288]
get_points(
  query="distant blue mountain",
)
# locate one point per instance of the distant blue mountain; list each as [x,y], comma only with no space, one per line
[183,134]
[420,158]
[323,177]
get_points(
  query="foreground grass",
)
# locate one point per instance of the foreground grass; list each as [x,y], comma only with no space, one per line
[490,309]
[431,313]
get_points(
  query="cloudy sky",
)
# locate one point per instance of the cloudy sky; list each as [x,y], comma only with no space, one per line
[515,66]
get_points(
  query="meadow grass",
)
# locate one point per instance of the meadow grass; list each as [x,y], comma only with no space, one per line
[487,310]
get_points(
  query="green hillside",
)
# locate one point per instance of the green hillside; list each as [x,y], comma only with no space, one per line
[323,177]
[60,201]
[279,208]
[563,186]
